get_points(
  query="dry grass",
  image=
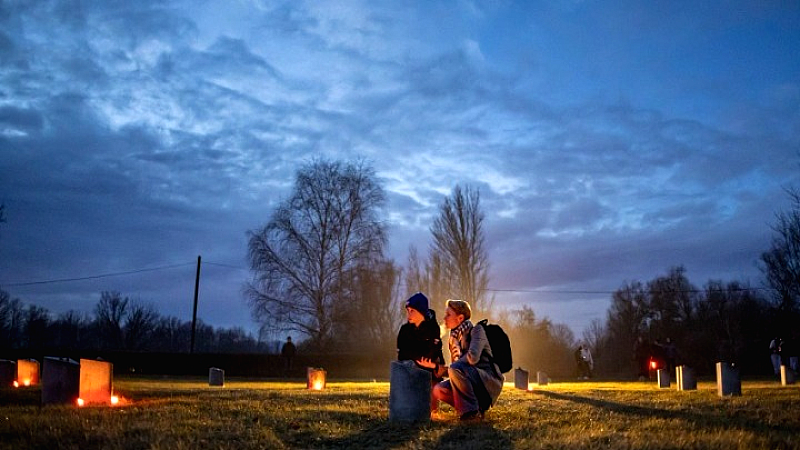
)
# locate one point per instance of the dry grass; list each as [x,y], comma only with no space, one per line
[188,414]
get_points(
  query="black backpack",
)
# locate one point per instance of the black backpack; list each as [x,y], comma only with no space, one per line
[501,346]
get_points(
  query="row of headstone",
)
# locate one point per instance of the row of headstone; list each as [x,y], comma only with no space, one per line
[63,380]
[521,378]
[23,372]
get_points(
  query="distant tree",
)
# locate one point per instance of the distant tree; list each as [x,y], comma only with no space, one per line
[781,263]
[37,320]
[140,324]
[672,299]
[12,318]
[71,331]
[172,334]
[302,257]
[459,243]
[594,336]
[110,313]
[427,277]
[373,314]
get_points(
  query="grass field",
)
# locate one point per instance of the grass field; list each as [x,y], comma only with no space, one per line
[188,414]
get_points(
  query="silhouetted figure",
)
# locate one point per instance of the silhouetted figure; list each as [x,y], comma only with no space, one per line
[670,354]
[583,358]
[287,352]
[641,354]
[775,354]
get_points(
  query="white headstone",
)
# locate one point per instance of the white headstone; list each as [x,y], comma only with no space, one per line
[787,376]
[96,381]
[8,372]
[685,378]
[728,381]
[541,378]
[663,378]
[521,379]
[216,377]
[60,381]
[409,393]
[27,372]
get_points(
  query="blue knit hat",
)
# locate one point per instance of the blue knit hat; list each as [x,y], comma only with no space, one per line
[419,302]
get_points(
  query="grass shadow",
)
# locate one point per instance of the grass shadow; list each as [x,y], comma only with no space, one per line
[719,418]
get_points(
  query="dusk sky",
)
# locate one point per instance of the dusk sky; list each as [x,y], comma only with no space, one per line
[610,140]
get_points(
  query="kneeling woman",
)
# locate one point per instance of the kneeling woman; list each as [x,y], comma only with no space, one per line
[474,381]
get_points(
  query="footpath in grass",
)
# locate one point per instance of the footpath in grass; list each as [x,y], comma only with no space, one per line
[187,413]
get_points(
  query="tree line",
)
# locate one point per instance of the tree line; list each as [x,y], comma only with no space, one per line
[116,324]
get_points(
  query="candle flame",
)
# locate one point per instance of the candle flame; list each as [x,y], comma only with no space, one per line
[16,384]
[27,382]
[114,399]
[80,402]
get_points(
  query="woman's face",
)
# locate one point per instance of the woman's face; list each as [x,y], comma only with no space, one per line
[451,319]
[414,316]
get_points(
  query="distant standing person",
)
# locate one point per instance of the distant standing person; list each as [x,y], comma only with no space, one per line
[670,355]
[287,352]
[775,354]
[641,353]
[588,362]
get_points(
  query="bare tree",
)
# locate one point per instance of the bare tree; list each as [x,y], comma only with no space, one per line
[110,312]
[301,258]
[781,263]
[458,240]
[140,325]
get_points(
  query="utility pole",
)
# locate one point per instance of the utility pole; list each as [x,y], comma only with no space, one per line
[196,290]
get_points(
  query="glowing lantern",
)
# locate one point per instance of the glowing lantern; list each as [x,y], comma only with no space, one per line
[80,402]
[653,364]
[27,372]
[316,379]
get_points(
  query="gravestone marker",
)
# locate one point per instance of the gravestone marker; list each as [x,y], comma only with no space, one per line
[541,378]
[61,379]
[216,377]
[787,375]
[96,381]
[663,378]
[685,378]
[409,393]
[728,381]
[521,379]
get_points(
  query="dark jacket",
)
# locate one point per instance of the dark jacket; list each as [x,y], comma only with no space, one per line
[424,341]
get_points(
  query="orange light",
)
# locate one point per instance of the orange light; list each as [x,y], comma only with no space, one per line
[80,402]
[16,384]
[653,364]
[27,382]
[318,385]
[114,399]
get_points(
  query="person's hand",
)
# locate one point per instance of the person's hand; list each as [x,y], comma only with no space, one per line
[427,363]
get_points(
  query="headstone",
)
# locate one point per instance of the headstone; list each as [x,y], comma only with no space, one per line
[728,381]
[409,393]
[96,381]
[787,376]
[521,379]
[316,378]
[541,378]
[685,378]
[8,373]
[27,372]
[663,378]
[60,381]
[216,377]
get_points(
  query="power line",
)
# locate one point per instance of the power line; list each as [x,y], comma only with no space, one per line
[93,277]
